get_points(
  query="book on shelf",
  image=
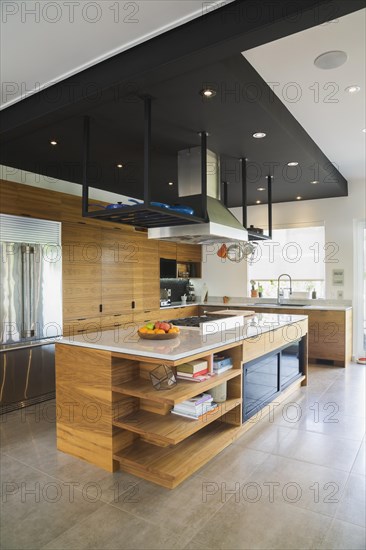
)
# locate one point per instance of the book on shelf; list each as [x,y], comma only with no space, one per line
[200,398]
[191,375]
[222,369]
[220,361]
[195,409]
[195,378]
[193,367]
[213,408]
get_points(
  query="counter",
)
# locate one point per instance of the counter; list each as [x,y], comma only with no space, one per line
[109,414]
[286,305]
[189,342]
[330,326]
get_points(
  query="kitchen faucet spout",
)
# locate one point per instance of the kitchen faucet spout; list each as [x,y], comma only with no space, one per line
[280,293]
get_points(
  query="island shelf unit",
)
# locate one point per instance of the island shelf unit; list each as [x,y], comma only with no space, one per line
[119,421]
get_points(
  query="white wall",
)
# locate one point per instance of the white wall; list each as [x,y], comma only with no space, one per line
[337,214]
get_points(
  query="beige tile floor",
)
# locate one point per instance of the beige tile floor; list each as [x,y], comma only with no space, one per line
[296,480]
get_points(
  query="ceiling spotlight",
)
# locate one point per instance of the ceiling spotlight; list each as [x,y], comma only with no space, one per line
[170,183]
[331,60]
[119,165]
[53,142]
[258,202]
[298,198]
[364,130]
[208,93]
[314,182]
[293,163]
[261,189]
[353,89]
[259,135]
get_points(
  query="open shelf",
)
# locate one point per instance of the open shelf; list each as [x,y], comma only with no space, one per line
[169,466]
[170,429]
[143,389]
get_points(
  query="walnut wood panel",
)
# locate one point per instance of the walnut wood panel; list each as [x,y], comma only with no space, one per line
[167,250]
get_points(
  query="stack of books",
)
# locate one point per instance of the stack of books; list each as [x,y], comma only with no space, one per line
[222,364]
[194,370]
[196,407]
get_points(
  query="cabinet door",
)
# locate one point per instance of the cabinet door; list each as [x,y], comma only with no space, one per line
[167,250]
[119,257]
[81,271]
[189,253]
[147,275]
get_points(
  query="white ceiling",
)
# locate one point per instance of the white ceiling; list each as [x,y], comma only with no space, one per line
[334,120]
[57,41]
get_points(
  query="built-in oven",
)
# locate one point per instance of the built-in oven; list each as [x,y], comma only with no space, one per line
[268,375]
[168,268]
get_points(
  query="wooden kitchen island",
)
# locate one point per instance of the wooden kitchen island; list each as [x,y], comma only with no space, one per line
[109,414]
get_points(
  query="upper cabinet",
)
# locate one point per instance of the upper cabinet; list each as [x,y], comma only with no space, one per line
[167,250]
[189,253]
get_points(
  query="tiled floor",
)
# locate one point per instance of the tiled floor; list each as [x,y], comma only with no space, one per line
[296,480]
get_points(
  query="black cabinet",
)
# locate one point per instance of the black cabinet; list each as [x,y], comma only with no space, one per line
[267,376]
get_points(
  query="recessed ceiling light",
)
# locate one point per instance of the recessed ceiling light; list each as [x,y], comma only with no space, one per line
[353,89]
[258,202]
[298,198]
[170,183]
[314,182]
[259,135]
[293,163]
[331,60]
[119,165]
[53,142]
[261,189]
[208,93]
[364,130]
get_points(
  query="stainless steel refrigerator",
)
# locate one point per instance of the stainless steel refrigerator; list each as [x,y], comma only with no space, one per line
[30,309]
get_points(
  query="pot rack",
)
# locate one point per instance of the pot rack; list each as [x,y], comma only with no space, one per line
[146,215]
[143,215]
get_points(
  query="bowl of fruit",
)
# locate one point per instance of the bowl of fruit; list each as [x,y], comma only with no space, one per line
[161,330]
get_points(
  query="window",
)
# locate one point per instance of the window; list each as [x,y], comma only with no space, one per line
[300,252]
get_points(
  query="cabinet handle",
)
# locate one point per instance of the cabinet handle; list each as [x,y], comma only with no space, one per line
[81,319]
[117,315]
[100,308]
[133,304]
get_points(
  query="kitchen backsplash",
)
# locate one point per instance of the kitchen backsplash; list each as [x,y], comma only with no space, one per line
[177,286]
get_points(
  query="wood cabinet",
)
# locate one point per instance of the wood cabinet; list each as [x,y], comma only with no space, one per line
[167,250]
[81,271]
[330,331]
[189,253]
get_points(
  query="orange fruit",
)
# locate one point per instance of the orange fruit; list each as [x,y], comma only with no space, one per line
[143,330]
[160,331]
[150,331]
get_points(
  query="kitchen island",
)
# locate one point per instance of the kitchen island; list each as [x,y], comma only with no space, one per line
[109,414]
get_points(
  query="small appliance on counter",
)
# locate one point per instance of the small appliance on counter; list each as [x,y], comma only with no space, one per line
[165,297]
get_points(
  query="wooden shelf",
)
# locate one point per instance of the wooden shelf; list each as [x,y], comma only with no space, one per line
[169,466]
[143,389]
[170,429]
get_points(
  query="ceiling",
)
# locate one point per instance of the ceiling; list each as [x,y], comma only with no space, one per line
[333,117]
[70,35]
[173,68]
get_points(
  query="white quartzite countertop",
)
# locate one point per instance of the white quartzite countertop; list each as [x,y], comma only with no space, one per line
[189,342]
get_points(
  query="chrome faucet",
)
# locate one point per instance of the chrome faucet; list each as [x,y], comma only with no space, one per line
[280,293]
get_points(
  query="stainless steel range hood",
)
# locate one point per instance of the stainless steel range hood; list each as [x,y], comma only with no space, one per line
[222,226]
